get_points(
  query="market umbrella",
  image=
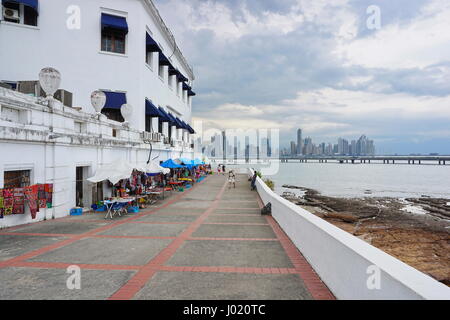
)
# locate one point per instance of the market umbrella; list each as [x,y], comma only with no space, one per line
[178,161]
[154,168]
[171,164]
[114,172]
[185,160]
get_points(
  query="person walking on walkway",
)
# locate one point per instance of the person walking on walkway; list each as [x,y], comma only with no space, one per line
[231,179]
[253,183]
[223,168]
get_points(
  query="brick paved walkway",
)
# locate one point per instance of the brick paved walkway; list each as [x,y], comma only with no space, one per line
[209,242]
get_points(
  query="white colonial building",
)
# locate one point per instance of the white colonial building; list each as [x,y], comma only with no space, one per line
[120,47]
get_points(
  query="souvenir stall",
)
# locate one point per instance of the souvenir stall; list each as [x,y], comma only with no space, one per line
[176,172]
[185,172]
[16,200]
[189,174]
[133,187]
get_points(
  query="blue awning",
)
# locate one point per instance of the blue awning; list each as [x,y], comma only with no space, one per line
[152,45]
[182,124]
[165,117]
[191,93]
[30,3]
[186,126]
[115,100]
[114,22]
[186,86]
[173,71]
[181,77]
[191,131]
[151,110]
[174,121]
[179,124]
[163,60]
[197,161]
[12,84]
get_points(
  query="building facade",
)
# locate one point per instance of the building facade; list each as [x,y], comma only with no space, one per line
[120,47]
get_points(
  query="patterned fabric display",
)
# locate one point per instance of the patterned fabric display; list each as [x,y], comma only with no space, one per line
[2,206]
[19,203]
[12,201]
[49,194]
[31,198]
[8,201]
[42,198]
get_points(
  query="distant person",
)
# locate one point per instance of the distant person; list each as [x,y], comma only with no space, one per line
[253,184]
[231,179]
[223,168]
[218,169]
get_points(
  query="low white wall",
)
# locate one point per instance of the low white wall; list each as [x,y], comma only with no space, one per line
[343,261]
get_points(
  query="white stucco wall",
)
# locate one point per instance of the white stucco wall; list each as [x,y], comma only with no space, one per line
[342,260]
[84,68]
[28,146]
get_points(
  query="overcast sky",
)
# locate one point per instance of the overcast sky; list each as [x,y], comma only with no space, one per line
[314,64]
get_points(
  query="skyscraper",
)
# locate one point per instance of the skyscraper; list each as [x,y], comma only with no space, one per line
[365,146]
[299,142]
[293,148]
[308,146]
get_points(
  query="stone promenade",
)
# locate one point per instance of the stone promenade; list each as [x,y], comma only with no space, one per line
[209,242]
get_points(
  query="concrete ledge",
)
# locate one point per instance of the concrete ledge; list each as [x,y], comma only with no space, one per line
[346,263]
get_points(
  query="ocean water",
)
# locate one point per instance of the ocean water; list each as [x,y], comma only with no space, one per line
[364,180]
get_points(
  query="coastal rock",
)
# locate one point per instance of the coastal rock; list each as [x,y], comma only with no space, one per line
[420,240]
[346,217]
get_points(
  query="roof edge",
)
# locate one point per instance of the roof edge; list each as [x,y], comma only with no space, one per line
[170,37]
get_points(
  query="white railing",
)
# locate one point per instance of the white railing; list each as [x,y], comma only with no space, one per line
[348,265]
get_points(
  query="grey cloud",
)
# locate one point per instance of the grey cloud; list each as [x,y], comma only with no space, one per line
[268,68]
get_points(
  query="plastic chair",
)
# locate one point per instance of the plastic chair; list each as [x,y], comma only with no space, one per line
[116,208]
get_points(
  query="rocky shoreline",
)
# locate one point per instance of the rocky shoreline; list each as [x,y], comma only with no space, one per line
[414,230]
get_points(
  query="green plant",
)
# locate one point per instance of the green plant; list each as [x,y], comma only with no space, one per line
[270,184]
[258,174]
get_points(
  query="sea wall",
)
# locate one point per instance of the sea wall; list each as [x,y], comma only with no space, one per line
[350,267]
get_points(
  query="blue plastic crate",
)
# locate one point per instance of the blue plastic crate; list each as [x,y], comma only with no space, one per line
[133,209]
[76,211]
[101,209]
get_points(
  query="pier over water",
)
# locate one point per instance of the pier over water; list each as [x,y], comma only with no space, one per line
[439,160]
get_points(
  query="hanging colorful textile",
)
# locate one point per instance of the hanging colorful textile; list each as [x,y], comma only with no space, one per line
[8,201]
[49,194]
[31,198]
[19,201]
[42,198]
[2,206]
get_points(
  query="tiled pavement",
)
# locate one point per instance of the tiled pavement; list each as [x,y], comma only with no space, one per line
[209,242]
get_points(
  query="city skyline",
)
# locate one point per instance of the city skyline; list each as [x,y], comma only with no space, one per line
[357,147]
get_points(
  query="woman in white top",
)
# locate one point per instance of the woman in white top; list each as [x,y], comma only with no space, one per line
[231,179]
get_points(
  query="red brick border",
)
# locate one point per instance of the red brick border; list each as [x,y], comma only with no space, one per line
[144,273]
[233,239]
[74,238]
[310,278]
[128,290]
